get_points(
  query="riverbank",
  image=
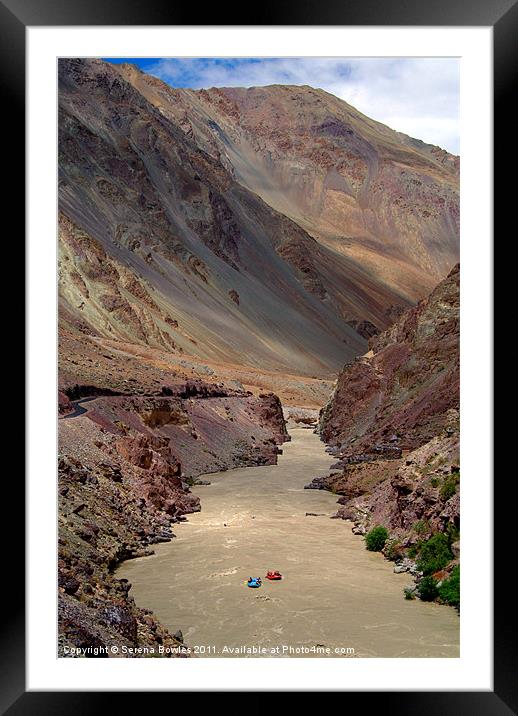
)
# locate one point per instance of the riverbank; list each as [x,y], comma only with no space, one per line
[335,595]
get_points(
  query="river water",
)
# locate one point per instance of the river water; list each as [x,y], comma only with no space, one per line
[335,594]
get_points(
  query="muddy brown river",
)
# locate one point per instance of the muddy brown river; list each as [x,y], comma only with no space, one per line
[335,596]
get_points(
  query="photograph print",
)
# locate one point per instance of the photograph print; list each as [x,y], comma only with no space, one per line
[258,358]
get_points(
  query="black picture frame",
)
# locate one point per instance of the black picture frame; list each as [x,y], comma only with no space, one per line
[15,16]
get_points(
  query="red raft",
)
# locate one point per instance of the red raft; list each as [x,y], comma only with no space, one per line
[273,575]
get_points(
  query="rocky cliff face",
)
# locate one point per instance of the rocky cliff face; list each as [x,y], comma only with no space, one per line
[405,385]
[125,467]
[393,423]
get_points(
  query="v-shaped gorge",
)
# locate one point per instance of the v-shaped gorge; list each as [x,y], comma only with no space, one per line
[225,255]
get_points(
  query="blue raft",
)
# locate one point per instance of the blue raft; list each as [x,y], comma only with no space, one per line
[254,582]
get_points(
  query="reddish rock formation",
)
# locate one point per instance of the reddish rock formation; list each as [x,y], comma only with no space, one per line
[364,328]
[64,404]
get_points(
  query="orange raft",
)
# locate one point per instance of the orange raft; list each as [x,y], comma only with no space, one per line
[273,575]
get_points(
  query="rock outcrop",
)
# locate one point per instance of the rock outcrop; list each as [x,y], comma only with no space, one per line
[420,488]
[405,386]
[111,508]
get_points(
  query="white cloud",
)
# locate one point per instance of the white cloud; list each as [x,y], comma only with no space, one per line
[418,96]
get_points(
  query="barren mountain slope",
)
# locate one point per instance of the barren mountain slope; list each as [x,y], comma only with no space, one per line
[159,244]
[385,201]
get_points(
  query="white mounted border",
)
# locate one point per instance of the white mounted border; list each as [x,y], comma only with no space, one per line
[473,670]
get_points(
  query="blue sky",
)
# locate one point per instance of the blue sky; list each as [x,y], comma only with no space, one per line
[418,96]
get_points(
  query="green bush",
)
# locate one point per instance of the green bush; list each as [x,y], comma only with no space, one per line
[376,538]
[412,551]
[452,532]
[427,589]
[434,554]
[409,593]
[422,527]
[449,591]
[449,486]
